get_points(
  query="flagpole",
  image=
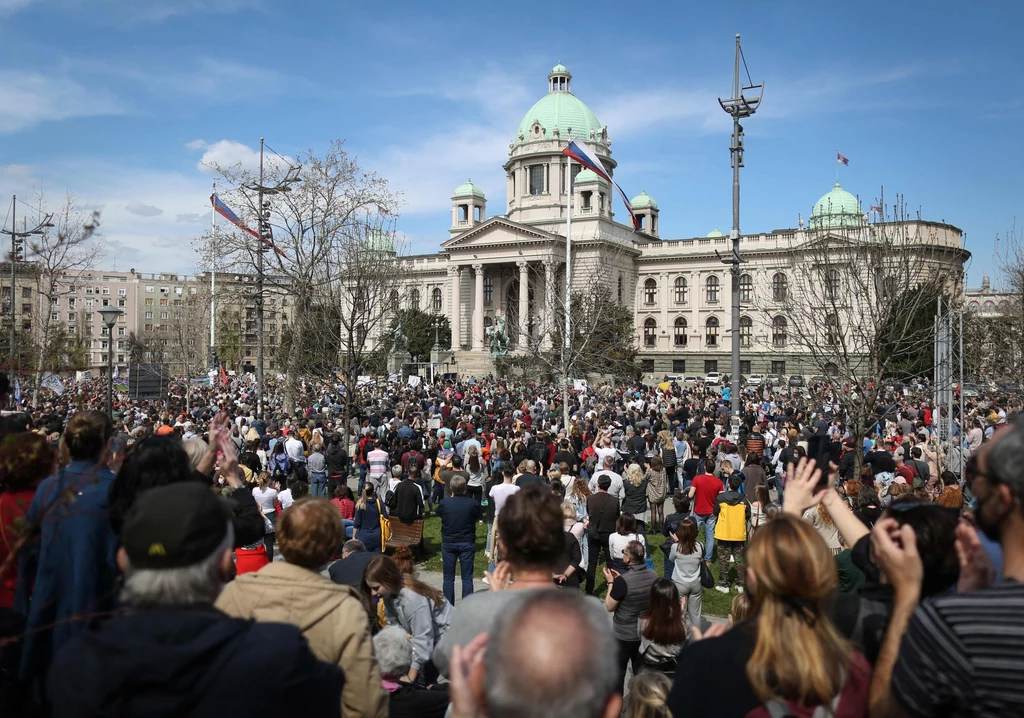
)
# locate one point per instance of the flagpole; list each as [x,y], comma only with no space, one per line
[837,166]
[568,297]
[213,274]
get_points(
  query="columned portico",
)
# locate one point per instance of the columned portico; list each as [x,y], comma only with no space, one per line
[524,302]
[549,301]
[478,308]
[455,274]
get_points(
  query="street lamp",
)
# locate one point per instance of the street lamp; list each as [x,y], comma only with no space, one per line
[435,352]
[265,240]
[17,255]
[110,315]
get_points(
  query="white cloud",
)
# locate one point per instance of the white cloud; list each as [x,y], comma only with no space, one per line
[229,154]
[143,210]
[9,7]
[189,217]
[638,111]
[27,98]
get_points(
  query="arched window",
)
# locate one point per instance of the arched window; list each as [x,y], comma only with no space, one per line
[832,330]
[831,370]
[780,287]
[746,331]
[488,289]
[488,322]
[712,285]
[681,290]
[435,299]
[650,291]
[680,332]
[414,299]
[779,326]
[833,284]
[746,288]
[711,332]
[650,332]
[393,300]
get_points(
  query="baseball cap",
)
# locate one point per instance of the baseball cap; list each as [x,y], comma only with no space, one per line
[174,526]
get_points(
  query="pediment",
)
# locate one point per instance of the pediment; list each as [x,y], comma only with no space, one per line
[500,232]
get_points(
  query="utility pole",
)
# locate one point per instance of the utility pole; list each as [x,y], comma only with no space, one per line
[17,245]
[739,107]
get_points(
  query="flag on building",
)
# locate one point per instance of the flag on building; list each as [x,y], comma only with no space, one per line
[17,391]
[876,209]
[53,383]
[578,150]
[840,158]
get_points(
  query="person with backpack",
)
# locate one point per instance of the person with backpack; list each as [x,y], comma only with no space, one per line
[280,465]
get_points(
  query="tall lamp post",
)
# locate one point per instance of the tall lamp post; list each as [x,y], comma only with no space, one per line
[435,352]
[17,255]
[266,240]
[110,315]
[740,106]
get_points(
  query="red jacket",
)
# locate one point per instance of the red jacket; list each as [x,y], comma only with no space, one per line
[248,560]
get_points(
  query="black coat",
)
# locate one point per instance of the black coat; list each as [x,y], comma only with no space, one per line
[168,662]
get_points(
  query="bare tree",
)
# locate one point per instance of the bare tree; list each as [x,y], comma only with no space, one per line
[190,337]
[858,302]
[61,253]
[1004,334]
[317,228]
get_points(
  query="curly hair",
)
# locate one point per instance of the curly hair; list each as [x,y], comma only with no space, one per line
[25,460]
[309,533]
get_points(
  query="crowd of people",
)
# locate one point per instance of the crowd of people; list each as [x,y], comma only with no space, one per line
[191,557]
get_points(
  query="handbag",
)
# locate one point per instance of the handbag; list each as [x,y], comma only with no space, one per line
[706,579]
[385,527]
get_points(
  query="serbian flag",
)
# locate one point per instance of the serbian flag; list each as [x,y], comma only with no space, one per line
[876,209]
[579,151]
[223,375]
[226,212]
[840,158]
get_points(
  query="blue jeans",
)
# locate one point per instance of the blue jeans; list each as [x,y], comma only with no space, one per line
[708,522]
[363,469]
[465,553]
[318,484]
[425,483]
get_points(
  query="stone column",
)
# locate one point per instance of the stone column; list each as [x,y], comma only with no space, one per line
[549,302]
[478,308]
[455,310]
[664,294]
[524,302]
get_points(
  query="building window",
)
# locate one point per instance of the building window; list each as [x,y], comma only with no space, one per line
[832,330]
[106,302]
[26,292]
[779,367]
[88,302]
[149,301]
[713,285]
[106,290]
[833,282]
[710,366]
[746,288]
[414,299]
[436,299]
[120,331]
[650,332]
[121,302]
[585,204]
[647,365]
[122,292]
[650,291]
[680,332]
[71,302]
[744,366]
[746,331]
[149,315]
[711,331]
[831,370]
[681,289]
[779,326]
[780,287]
[678,366]
[536,179]
[54,316]
[488,290]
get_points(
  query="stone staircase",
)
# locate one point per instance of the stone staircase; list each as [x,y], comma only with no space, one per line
[473,364]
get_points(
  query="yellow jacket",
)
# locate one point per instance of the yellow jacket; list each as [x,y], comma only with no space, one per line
[330,616]
[733,512]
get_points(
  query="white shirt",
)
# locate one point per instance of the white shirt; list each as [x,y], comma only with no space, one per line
[265,498]
[293,447]
[616,489]
[603,452]
[285,497]
[500,494]
[617,543]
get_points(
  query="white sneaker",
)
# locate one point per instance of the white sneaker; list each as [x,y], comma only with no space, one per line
[732,559]
[739,589]
[486,582]
[722,589]
[487,554]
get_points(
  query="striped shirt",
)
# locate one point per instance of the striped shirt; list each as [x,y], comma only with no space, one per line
[963,655]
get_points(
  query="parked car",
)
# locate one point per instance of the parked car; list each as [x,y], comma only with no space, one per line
[1009,387]
[755,380]
[692,380]
[972,391]
[819,379]
[796,380]
[673,377]
[773,379]
[713,378]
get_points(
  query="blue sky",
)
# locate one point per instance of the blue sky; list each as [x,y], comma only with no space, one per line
[120,101]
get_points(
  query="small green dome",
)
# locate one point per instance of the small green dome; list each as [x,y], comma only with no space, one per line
[836,209]
[561,109]
[715,233]
[380,241]
[643,201]
[468,189]
[588,176]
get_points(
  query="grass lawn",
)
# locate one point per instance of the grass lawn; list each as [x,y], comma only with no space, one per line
[715,603]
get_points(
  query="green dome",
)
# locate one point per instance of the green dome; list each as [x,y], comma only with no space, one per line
[468,189]
[562,109]
[643,201]
[380,241]
[715,233]
[588,176]
[836,209]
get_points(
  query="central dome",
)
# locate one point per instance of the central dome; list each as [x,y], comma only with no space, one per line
[836,209]
[559,108]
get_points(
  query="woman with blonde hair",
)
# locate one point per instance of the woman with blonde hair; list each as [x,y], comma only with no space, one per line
[657,489]
[648,695]
[634,487]
[789,658]
[819,517]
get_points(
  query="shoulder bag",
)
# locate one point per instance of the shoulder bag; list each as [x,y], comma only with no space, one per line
[706,579]
[385,527]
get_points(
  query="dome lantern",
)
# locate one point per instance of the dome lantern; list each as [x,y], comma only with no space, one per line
[562,109]
[646,211]
[469,207]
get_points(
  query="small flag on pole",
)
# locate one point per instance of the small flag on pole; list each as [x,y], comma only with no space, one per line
[843,160]
[876,209]
[226,212]
[579,151]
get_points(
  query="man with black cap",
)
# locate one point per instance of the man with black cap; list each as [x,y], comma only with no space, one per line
[172,653]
